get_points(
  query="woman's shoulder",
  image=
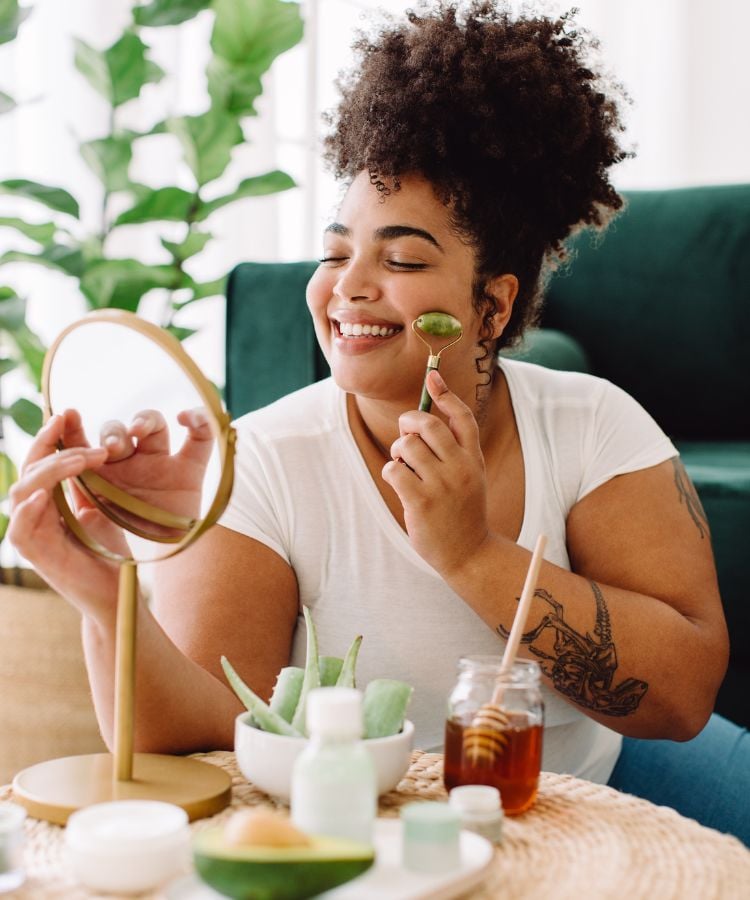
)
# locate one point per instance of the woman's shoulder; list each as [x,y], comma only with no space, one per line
[311,409]
[544,386]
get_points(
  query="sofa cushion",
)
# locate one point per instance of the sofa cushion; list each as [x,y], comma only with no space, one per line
[552,349]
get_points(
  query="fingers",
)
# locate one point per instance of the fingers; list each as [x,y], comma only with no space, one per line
[45,442]
[49,471]
[199,440]
[27,515]
[148,433]
[73,434]
[114,437]
[103,531]
[460,418]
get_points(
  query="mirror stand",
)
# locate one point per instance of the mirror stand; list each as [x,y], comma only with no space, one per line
[55,789]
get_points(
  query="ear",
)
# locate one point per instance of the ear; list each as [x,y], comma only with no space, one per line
[504,290]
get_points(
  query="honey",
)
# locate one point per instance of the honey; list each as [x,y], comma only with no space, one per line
[514,770]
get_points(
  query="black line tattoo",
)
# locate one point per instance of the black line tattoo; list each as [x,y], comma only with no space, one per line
[583,667]
[687,492]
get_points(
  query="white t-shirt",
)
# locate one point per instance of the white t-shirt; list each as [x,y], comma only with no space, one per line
[303,489]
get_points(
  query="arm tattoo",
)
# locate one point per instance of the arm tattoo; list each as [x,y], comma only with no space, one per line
[689,495]
[582,667]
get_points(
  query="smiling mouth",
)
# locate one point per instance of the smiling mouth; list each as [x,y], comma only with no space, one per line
[353,330]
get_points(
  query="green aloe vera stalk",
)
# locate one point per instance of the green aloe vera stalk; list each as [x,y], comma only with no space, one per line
[346,678]
[286,692]
[330,669]
[312,673]
[262,714]
[384,706]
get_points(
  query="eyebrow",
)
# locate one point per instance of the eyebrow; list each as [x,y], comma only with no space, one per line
[389,232]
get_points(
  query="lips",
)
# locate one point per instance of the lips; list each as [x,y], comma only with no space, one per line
[350,325]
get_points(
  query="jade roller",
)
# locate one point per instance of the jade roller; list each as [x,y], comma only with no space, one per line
[438,325]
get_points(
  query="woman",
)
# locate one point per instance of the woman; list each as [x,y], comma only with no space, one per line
[473,144]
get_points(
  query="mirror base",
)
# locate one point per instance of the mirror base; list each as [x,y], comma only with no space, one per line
[55,789]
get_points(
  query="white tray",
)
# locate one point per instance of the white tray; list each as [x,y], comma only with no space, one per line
[387,878]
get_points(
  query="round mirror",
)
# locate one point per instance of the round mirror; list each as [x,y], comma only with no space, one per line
[170,475]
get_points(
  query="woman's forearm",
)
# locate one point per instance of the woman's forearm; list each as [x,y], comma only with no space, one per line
[630,661]
[179,706]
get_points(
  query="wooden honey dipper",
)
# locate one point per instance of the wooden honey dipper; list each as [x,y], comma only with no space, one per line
[485,738]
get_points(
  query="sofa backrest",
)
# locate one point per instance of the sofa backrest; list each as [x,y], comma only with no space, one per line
[660,304]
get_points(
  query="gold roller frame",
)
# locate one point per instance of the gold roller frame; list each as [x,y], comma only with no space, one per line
[53,790]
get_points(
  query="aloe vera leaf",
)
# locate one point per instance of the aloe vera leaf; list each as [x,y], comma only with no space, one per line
[346,678]
[286,692]
[312,673]
[384,706]
[262,714]
[330,669]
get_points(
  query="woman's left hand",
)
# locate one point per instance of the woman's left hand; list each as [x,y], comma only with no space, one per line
[438,472]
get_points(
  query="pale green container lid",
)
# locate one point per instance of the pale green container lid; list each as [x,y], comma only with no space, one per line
[430,821]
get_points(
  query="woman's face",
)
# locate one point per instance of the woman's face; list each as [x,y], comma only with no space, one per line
[385,262]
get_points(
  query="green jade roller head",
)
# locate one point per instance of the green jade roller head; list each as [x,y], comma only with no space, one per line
[438,325]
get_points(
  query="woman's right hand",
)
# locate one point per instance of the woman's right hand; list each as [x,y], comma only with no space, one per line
[39,533]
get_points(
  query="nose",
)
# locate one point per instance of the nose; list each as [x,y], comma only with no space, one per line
[356,282]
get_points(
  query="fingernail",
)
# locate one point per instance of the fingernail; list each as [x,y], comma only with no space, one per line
[111,441]
[137,423]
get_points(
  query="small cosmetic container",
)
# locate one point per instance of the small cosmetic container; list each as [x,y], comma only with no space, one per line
[430,837]
[12,873]
[128,846]
[479,809]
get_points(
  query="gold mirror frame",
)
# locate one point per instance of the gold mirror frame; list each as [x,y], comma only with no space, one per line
[53,790]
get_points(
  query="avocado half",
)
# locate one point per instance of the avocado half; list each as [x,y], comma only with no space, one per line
[278,873]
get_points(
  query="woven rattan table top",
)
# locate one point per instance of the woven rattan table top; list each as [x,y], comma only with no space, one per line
[579,841]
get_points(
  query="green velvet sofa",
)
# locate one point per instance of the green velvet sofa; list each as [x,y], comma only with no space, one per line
[660,305]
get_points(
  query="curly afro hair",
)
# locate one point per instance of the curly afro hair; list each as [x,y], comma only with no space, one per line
[507,121]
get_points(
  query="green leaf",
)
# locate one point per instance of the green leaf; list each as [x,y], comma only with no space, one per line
[255,32]
[4,522]
[207,141]
[7,103]
[7,365]
[181,333]
[53,256]
[109,159]
[121,283]
[32,352]
[11,18]
[42,233]
[12,310]
[193,243]
[168,12]
[201,289]
[8,474]
[119,72]
[53,197]
[27,415]
[168,204]
[233,86]
[257,186]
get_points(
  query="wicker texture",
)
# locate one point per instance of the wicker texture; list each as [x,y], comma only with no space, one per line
[579,840]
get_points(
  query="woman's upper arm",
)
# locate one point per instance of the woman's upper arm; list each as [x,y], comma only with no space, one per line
[646,532]
[229,595]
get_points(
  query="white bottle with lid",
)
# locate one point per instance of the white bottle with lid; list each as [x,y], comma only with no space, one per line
[334,789]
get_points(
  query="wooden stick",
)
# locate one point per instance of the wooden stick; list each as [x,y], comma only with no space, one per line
[127,610]
[522,613]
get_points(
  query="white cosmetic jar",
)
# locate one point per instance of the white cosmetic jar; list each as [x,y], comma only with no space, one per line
[128,846]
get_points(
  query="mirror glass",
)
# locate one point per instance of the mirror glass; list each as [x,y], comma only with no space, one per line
[160,485]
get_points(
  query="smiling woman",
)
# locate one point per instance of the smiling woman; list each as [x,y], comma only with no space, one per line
[472,143]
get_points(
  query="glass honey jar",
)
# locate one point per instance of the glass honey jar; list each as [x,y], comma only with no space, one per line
[494,729]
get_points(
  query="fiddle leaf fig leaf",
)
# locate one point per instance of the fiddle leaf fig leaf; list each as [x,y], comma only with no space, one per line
[53,256]
[168,12]
[7,103]
[12,310]
[167,204]
[42,233]
[121,283]
[8,474]
[27,415]
[255,32]
[207,141]
[201,289]
[256,186]
[53,197]
[7,365]
[233,86]
[119,72]
[193,243]
[4,522]
[109,159]
[11,18]
[32,352]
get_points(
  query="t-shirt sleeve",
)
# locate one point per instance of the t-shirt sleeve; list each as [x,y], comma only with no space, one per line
[256,507]
[623,438]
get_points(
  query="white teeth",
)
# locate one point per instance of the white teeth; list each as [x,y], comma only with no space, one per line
[356,329]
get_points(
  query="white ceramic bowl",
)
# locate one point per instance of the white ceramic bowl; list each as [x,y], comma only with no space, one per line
[127,846]
[266,759]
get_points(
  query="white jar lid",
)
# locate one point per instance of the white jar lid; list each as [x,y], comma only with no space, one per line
[335,712]
[475,798]
[124,826]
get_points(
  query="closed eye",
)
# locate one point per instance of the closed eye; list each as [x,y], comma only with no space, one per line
[408,266]
[332,259]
